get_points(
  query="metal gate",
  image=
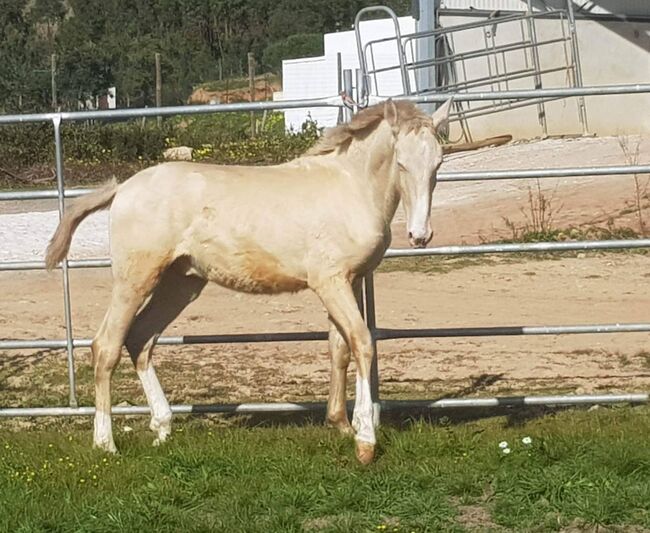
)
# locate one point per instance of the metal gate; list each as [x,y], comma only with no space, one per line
[378,333]
[504,63]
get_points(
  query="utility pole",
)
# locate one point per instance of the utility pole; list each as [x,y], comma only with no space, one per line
[251,87]
[158,87]
[53,75]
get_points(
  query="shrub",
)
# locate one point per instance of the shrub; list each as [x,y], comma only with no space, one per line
[221,138]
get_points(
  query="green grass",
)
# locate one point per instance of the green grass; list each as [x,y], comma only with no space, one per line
[588,468]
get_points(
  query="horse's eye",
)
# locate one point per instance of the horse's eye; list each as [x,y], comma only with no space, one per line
[401,167]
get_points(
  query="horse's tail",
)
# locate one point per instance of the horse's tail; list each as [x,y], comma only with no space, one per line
[84,206]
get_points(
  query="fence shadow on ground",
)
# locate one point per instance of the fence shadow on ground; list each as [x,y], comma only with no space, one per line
[403,413]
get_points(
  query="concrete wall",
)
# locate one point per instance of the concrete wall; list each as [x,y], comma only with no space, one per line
[610,52]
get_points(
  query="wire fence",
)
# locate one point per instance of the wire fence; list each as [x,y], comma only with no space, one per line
[70,343]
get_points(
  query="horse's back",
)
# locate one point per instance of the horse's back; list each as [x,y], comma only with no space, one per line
[256,229]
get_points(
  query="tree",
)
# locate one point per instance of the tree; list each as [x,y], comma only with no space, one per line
[299,45]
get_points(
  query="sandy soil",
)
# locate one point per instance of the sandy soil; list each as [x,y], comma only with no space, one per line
[592,288]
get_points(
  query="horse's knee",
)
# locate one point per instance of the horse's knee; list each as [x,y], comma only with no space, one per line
[104,359]
[361,345]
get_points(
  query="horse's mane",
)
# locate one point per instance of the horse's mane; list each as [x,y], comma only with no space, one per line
[409,118]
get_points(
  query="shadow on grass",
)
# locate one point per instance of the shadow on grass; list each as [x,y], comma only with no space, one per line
[401,413]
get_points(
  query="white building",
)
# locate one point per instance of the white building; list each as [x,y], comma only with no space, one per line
[613,40]
[316,77]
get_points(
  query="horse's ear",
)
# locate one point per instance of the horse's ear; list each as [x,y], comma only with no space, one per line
[390,113]
[441,116]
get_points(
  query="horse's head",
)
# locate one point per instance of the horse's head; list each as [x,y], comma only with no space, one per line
[418,156]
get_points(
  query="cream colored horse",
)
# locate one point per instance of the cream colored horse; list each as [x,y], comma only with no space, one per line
[321,221]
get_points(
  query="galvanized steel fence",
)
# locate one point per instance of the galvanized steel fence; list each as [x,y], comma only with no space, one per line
[378,333]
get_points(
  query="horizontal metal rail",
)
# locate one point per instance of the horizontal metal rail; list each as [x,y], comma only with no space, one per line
[378,333]
[333,101]
[442,176]
[517,401]
[507,331]
[544,173]
[473,54]
[519,94]
[140,112]
[515,17]
[499,248]
[14,266]
[498,78]
[497,108]
[565,246]
[48,194]
[386,405]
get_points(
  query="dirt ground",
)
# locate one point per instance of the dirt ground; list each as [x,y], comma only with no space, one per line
[569,289]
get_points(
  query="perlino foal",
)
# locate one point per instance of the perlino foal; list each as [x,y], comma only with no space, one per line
[321,221]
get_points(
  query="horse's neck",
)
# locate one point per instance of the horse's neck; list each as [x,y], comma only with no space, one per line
[374,157]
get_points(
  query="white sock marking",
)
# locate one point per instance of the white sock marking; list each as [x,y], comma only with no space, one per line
[160,412]
[363,413]
[103,436]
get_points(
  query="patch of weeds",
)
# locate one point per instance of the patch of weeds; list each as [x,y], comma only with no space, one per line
[623,359]
[436,264]
[645,358]
[640,201]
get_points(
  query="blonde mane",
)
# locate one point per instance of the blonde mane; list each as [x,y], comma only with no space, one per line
[409,118]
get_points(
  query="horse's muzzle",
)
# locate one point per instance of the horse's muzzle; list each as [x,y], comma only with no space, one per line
[420,242]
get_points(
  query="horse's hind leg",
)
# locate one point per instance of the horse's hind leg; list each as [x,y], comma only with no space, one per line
[174,292]
[106,347]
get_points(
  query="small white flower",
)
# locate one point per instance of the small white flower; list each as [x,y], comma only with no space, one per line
[506,451]
[503,445]
[126,429]
[527,441]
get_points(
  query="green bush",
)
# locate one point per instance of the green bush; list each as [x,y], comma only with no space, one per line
[221,138]
[297,45]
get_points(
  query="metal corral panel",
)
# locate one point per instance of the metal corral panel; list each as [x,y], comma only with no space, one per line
[596,7]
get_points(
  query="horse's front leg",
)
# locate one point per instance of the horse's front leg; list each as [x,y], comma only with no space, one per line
[338,297]
[337,414]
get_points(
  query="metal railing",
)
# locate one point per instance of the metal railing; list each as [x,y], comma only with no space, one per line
[378,333]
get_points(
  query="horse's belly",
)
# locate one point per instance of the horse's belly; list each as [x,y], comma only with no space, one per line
[253,271]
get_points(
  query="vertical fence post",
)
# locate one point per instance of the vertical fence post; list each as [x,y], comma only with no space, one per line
[577,67]
[534,53]
[339,86]
[158,87]
[251,87]
[371,321]
[347,89]
[56,121]
[55,98]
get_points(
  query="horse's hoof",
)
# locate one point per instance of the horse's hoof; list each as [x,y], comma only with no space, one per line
[365,452]
[343,427]
[161,439]
[108,447]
